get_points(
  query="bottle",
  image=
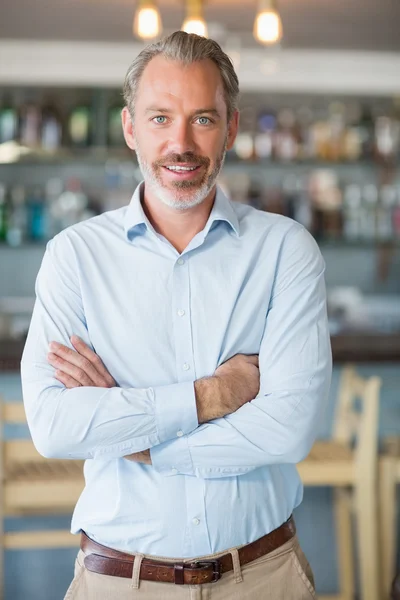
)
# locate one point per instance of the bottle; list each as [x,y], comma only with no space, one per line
[396,216]
[352,212]
[366,133]
[115,134]
[3,213]
[369,212]
[264,138]
[8,122]
[71,204]
[286,147]
[18,217]
[37,218]
[79,127]
[51,128]
[29,126]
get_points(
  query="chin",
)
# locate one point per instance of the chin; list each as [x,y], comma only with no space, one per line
[181,199]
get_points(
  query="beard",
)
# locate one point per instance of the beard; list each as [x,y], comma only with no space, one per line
[185,194]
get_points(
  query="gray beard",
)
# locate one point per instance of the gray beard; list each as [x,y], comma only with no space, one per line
[196,194]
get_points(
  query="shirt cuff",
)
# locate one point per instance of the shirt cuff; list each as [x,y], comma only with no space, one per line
[172,458]
[175,410]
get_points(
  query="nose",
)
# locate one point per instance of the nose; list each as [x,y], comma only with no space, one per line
[181,139]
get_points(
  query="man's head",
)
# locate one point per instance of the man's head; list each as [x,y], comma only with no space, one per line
[181,116]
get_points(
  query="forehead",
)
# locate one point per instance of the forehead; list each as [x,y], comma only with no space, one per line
[197,85]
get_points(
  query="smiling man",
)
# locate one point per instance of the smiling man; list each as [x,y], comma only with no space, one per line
[180,345]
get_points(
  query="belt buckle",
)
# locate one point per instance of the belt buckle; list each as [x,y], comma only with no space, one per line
[216,565]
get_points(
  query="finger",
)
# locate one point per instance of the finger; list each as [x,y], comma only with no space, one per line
[67,380]
[76,361]
[92,357]
[69,369]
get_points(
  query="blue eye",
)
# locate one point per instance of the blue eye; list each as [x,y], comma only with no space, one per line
[159,122]
[202,119]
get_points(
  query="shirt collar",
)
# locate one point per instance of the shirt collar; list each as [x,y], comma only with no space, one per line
[136,221]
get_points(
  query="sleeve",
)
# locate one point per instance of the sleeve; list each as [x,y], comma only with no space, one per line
[88,422]
[280,424]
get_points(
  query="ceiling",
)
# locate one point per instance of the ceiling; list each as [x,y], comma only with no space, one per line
[330,24]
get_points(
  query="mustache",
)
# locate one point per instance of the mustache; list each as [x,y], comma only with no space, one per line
[186,157]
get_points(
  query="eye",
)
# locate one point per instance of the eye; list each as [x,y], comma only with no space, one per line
[158,121]
[204,120]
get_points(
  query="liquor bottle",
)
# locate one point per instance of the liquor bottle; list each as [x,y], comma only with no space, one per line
[369,212]
[51,129]
[79,127]
[384,217]
[352,212]
[18,217]
[396,215]
[115,134]
[8,122]
[37,217]
[29,125]
[264,139]
[286,145]
[3,213]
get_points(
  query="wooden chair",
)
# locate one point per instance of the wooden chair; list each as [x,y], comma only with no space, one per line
[389,478]
[348,463]
[33,485]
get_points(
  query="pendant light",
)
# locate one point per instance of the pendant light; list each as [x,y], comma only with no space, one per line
[268,24]
[147,22]
[194,22]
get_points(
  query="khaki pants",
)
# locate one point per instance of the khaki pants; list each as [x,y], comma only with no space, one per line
[283,574]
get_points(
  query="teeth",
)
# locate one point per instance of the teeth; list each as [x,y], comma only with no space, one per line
[176,168]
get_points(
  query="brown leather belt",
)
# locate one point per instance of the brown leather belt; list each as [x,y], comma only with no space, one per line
[106,561]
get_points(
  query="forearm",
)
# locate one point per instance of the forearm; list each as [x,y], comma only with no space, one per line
[209,392]
[90,422]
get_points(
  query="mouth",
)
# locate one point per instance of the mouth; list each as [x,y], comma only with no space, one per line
[182,171]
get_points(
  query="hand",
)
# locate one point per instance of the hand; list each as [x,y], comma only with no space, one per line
[140,457]
[240,379]
[79,367]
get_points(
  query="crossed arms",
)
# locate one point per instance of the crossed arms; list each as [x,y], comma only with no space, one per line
[278,425]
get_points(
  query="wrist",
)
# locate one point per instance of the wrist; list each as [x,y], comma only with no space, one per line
[208,399]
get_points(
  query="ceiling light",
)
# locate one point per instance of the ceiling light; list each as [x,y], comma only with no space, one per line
[267,24]
[147,22]
[194,22]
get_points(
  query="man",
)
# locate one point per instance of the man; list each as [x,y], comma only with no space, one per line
[180,345]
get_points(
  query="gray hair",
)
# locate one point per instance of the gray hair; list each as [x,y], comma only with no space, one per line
[186,48]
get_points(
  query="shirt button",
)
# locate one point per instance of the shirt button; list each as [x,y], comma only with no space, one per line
[181,312]
[179,433]
[186,367]
[196,521]
[181,261]
[174,471]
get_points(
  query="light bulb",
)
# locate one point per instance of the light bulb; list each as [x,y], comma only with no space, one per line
[194,25]
[147,22]
[267,24]
[194,22]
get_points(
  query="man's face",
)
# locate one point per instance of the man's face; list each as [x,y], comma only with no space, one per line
[180,131]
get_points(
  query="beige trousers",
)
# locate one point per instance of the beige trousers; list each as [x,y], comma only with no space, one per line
[283,574]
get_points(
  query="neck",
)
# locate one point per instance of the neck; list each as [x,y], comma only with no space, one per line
[178,226]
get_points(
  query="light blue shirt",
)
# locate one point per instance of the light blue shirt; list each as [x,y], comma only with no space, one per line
[251,283]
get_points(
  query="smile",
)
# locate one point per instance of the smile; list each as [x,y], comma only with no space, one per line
[178,168]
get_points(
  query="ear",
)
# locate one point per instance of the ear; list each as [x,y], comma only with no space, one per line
[233,128]
[127,126]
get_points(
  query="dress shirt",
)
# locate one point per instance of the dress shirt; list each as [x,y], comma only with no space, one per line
[250,282]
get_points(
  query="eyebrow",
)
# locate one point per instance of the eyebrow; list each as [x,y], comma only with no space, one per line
[212,111]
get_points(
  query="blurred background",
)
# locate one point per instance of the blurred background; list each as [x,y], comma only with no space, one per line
[319,142]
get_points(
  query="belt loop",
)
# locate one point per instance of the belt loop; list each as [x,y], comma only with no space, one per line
[237,571]
[136,570]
